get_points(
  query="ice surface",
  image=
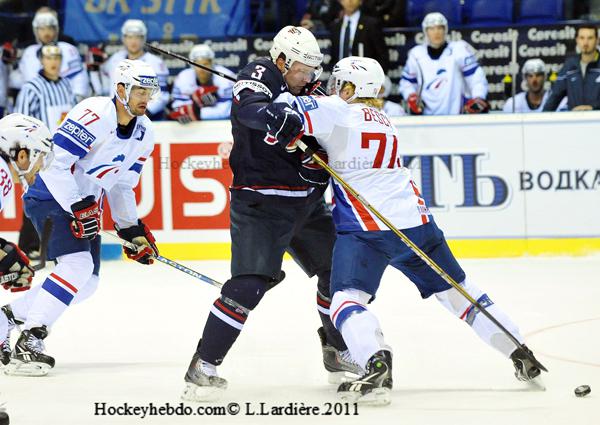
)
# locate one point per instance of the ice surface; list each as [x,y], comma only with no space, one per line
[132,341]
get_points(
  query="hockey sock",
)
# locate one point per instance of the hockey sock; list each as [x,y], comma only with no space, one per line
[334,338]
[87,290]
[224,324]
[359,327]
[60,287]
[483,327]
[228,315]
[3,326]
[20,307]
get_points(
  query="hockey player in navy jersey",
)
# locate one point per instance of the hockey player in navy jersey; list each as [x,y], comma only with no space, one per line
[24,142]
[351,125]
[276,206]
[99,151]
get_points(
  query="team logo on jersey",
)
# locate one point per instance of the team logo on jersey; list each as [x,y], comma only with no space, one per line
[308,103]
[139,132]
[438,81]
[78,132]
[119,158]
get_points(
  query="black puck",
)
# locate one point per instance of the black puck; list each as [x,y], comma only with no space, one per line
[4,420]
[582,390]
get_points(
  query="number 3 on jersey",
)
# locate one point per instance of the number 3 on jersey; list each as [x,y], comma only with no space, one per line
[381,160]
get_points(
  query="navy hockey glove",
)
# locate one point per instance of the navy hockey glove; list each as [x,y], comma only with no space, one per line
[476,106]
[15,272]
[141,236]
[87,218]
[309,89]
[311,171]
[285,124]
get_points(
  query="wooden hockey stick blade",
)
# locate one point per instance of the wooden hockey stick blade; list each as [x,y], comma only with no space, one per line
[414,248]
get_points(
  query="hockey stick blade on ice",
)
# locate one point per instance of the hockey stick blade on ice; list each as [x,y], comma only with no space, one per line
[414,248]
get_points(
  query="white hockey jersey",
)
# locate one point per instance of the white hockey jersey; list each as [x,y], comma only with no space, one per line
[156,105]
[521,104]
[445,82]
[92,158]
[393,109]
[186,84]
[6,183]
[362,146]
[70,68]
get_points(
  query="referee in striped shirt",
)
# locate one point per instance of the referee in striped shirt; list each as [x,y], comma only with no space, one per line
[48,97]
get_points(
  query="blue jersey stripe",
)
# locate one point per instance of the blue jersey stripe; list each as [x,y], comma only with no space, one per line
[68,145]
[343,216]
[136,167]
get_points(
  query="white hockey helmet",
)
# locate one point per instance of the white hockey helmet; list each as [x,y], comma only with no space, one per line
[365,73]
[533,66]
[42,19]
[134,27]
[18,131]
[132,73]
[201,51]
[297,44]
[434,19]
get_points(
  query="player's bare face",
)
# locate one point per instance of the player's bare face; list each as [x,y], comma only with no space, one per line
[47,34]
[51,66]
[350,6]
[138,100]
[535,82]
[436,35]
[133,44]
[587,40]
[298,76]
[203,76]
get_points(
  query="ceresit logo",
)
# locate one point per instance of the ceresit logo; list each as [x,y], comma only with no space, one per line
[78,132]
[308,103]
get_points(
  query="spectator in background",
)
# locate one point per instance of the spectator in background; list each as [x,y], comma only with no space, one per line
[579,78]
[439,75]
[320,14]
[45,28]
[389,12]
[356,34]
[199,94]
[47,97]
[134,34]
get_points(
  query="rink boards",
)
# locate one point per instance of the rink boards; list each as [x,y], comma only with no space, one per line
[498,185]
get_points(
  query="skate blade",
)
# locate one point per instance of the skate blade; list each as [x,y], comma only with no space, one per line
[337,378]
[19,368]
[201,394]
[376,397]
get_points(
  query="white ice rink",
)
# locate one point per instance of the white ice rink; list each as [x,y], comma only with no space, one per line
[132,341]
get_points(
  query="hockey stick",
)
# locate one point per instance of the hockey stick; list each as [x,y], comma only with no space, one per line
[44,237]
[168,262]
[206,68]
[414,248]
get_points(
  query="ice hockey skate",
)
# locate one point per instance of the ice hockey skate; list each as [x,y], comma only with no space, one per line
[375,386]
[5,348]
[525,370]
[339,364]
[28,358]
[202,382]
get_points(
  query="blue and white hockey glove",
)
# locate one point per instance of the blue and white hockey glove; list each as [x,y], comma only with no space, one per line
[284,123]
[15,272]
[141,236]
[87,218]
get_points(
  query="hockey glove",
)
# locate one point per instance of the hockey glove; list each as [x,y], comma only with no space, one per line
[311,171]
[186,114]
[95,57]
[415,105]
[87,218]
[9,53]
[476,106]
[310,88]
[15,272]
[141,236]
[205,96]
[285,124]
